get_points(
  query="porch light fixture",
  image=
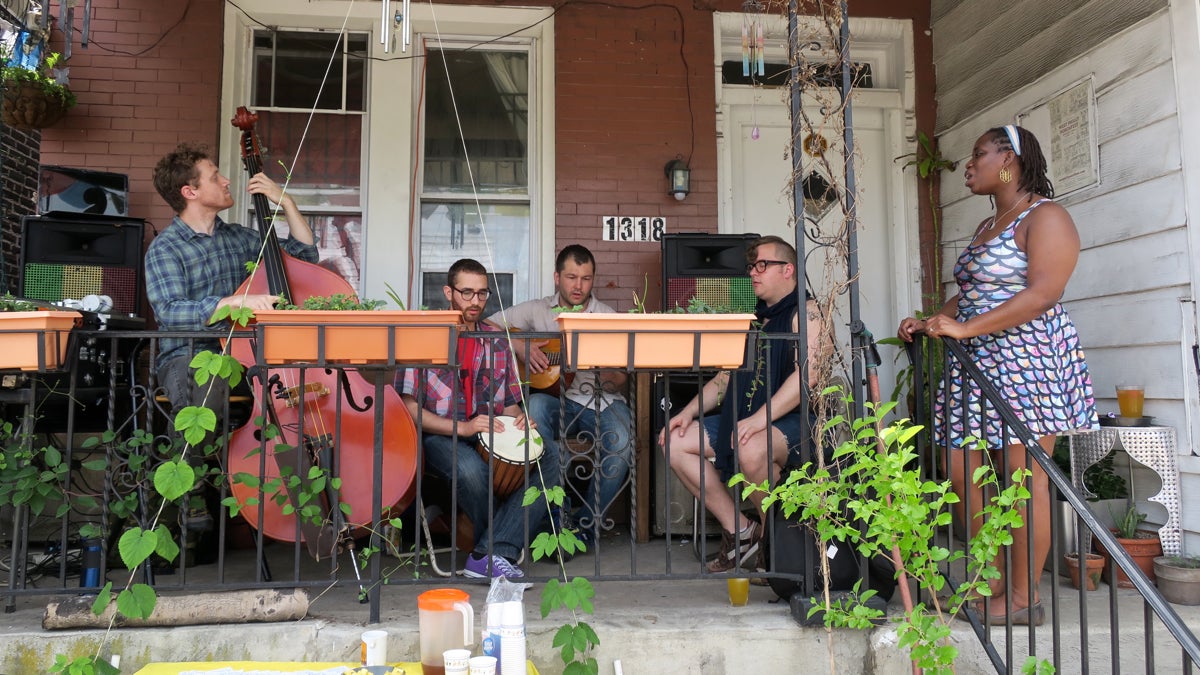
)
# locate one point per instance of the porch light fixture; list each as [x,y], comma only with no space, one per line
[680,176]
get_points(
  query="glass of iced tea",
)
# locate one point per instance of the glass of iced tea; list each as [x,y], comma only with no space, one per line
[1130,398]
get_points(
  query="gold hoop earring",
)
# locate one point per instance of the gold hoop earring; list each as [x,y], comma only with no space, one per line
[1005,175]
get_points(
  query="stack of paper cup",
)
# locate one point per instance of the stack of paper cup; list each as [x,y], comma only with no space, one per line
[491,631]
[512,638]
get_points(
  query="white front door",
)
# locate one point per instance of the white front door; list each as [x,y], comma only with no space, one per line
[757,197]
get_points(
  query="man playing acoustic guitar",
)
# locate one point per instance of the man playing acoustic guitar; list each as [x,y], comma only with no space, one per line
[592,406]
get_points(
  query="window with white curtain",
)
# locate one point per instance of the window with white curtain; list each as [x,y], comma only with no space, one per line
[476,166]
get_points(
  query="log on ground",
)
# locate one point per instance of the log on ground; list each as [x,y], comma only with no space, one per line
[257,606]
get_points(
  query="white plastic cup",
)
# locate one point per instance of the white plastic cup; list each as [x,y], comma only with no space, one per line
[374,648]
[483,665]
[457,661]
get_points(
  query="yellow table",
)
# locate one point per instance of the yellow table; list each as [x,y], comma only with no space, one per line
[281,666]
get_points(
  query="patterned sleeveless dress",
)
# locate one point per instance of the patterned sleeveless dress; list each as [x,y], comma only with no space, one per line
[1038,367]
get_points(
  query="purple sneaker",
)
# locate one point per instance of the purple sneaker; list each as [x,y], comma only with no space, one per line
[477,568]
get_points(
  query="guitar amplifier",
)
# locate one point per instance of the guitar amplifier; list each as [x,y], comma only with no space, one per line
[708,267]
[70,257]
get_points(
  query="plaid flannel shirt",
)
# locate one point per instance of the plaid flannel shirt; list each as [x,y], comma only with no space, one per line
[187,274]
[493,374]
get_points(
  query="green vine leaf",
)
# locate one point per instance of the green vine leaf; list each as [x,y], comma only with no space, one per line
[194,422]
[103,598]
[136,545]
[166,546]
[172,480]
[137,601]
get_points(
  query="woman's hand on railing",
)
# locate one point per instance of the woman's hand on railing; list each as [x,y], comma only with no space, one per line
[940,325]
[908,327]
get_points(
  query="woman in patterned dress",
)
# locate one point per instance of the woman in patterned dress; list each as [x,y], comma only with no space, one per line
[1008,317]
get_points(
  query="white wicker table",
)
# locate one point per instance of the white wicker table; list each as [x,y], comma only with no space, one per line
[1154,448]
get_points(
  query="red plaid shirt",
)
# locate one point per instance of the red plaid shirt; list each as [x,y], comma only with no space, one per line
[491,375]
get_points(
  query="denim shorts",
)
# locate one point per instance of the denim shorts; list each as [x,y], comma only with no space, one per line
[788,425]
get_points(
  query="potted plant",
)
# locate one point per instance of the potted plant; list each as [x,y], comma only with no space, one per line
[701,336]
[1092,571]
[34,97]
[355,332]
[32,338]
[1141,545]
[1178,578]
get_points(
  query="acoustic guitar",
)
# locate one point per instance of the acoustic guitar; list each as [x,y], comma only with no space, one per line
[552,379]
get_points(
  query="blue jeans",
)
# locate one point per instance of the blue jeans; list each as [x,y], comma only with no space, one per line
[610,470]
[507,534]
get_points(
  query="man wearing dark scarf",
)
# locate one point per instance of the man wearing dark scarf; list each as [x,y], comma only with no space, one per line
[759,419]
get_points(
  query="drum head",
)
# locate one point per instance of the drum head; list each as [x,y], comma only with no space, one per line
[509,445]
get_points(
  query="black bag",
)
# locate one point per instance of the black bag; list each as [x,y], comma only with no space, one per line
[792,539]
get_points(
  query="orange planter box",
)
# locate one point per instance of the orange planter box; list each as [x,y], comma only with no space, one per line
[659,340]
[21,332]
[357,337]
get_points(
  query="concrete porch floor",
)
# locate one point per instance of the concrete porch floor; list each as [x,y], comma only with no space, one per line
[659,626]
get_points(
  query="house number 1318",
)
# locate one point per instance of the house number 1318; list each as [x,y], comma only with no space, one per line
[633,228]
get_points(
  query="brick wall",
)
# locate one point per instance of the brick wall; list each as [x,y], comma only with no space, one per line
[19,171]
[634,89]
[149,80]
[623,111]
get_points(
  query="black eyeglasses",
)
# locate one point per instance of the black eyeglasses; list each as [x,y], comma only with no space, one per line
[469,294]
[760,266]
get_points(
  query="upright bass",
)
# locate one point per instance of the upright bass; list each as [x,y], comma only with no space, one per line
[326,417]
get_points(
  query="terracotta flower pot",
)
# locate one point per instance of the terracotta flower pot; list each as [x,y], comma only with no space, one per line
[357,337]
[657,340]
[1093,569]
[1143,549]
[22,332]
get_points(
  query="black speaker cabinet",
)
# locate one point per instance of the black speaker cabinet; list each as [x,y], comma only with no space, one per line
[72,257]
[710,267]
[674,506]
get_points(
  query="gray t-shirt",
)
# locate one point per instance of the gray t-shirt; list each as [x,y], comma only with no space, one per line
[538,315]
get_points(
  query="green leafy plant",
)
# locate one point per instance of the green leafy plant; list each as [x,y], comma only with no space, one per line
[1128,523]
[576,640]
[930,163]
[336,302]
[44,79]
[1187,562]
[639,303]
[8,303]
[1100,478]
[878,502]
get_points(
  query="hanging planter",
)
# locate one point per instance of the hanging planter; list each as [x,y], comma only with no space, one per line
[357,337]
[654,341]
[35,340]
[32,99]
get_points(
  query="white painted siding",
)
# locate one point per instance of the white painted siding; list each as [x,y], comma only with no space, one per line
[1131,291]
[983,49]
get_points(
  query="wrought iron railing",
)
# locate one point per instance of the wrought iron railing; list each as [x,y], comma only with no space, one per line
[110,445]
[1100,628]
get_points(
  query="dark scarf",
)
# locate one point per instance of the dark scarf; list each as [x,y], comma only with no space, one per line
[772,363]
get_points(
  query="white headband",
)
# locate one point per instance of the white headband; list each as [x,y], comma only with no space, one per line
[1013,138]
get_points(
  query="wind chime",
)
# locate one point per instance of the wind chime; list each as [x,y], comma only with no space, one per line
[753,61]
[390,22]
